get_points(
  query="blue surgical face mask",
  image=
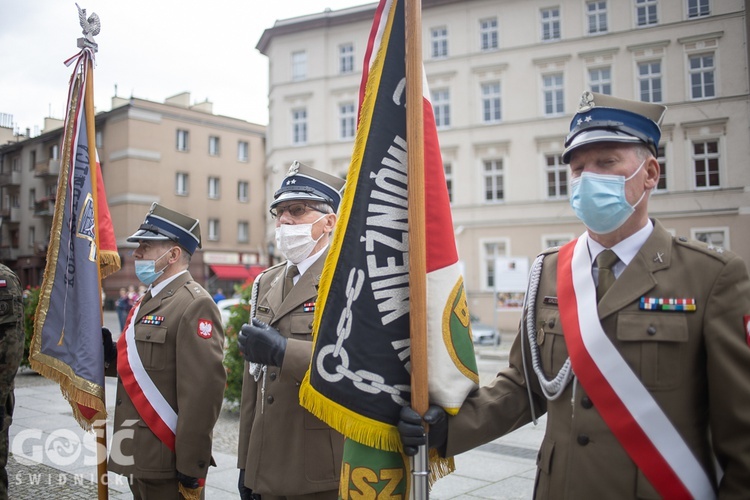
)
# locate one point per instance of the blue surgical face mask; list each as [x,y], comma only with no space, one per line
[145,270]
[599,200]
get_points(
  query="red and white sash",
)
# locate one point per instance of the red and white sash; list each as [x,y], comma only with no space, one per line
[148,401]
[628,409]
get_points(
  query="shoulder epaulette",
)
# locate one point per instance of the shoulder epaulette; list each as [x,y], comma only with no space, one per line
[549,251]
[714,251]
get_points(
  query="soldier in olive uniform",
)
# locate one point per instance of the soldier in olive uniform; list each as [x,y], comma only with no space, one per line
[633,341]
[11,352]
[285,452]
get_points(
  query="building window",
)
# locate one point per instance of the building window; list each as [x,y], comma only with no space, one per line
[698,8]
[299,126]
[347,120]
[32,236]
[441,105]
[16,164]
[54,152]
[439,42]
[213,146]
[183,140]
[550,24]
[661,157]
[299,65]
[491,105]
[214,229]
[557,177]
[649,81]
[181,187]
[701,75]
[243,191]
[32,160]
[552,88]
[448,169]
[32,199]
[213,188]
[243,151]
[555,240]
[645,13]
[346,58]
[713,236]
[706,163]
[600,80]
[488,34]
[98,139]
[493,180]
[596,16]
[492,250]
[243,232]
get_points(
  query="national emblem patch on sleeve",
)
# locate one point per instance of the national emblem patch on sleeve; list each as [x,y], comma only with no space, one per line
[205,328]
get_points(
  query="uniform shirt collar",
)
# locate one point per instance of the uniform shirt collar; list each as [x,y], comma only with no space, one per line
[305,264]
[161,286]
[625,250]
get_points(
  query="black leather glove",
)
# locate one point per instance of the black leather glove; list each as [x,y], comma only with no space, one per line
[189,482]
[110,348]
[245,492]
[412,431]
[260,343]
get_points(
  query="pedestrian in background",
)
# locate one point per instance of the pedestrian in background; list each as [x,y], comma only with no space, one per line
[285,452]
[123,306]
[633,341]
[169,363]
[11,351]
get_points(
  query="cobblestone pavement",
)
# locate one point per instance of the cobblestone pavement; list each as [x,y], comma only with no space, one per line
[31,480]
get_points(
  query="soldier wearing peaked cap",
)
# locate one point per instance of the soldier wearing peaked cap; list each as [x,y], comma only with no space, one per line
[284,451]
[634,342]
[169,363]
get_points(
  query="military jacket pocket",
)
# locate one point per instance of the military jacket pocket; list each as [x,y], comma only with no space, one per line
[654,345]
[301,324]
[150,340]
[550,339]
[11,309]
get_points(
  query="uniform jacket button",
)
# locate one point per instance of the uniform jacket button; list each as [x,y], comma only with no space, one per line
[269,400]
[201,464]
[651,330]
[586,402]
[583,439]
[551,323]
[118,402]
[273,376]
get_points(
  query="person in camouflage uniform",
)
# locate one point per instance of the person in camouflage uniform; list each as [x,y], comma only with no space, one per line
[11,352]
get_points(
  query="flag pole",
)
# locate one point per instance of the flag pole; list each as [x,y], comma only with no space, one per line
[417,250]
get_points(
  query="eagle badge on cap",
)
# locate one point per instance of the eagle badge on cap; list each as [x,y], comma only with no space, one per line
[205,328]
[587,102]
[293,169]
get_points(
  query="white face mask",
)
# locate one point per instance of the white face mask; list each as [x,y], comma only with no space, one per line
[295,241]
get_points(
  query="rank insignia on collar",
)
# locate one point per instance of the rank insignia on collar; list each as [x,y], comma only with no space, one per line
[667,304]
[205,328]
[308,307]
[264,309]
[550,300]
[152,320]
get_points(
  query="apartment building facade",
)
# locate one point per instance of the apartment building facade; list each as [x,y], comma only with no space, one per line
[505,77]
[176,153]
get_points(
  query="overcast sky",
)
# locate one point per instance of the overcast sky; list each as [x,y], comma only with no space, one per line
[148,49]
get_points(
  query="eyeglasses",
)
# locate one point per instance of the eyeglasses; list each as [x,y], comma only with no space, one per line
[296,210]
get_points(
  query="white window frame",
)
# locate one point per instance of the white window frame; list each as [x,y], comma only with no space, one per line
[214,188]
[243,191]
[598,82]
[214,145]
[32,199]
[183,140]
[704,73]
[492,103]
[559,171]
[556,239]
[646,13]
[182,184]
[448,172]
[243,151]
[54,152]
[489,37]
[661,158]
[695,9]
[487,259]
[32,236]
[597,22]
[549,18]
[695,233]
[493,180]
[650,78]
[553,94]
[704,158]
[346,58]
[214,229]
[439,42]
[243,231]
[441,106]
[299,65]
[299,126]
[347,121]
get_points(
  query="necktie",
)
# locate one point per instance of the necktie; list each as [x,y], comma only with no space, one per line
[605,261]
[291,272]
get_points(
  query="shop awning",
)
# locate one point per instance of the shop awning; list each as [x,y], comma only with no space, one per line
[232,272]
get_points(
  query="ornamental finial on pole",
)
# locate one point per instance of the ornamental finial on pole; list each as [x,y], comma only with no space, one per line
[91,27]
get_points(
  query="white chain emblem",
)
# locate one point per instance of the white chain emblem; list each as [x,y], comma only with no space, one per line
[364,380]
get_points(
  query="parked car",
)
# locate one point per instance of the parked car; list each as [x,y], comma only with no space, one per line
[484,334]
[225,308]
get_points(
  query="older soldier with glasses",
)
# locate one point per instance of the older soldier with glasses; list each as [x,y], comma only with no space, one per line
[285,452]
